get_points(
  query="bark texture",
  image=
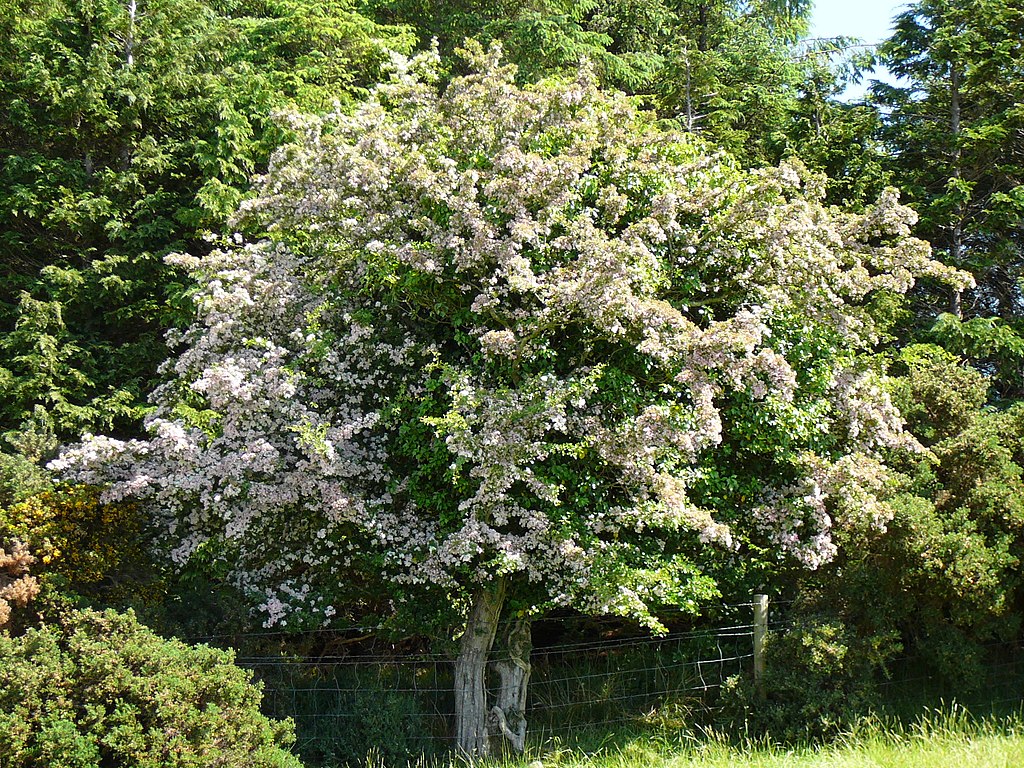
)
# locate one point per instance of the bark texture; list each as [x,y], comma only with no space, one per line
[471,714]
[508,715]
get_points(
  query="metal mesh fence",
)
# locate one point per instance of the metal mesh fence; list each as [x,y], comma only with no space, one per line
[347,707]
[399,703]
[604,683]
[991,681]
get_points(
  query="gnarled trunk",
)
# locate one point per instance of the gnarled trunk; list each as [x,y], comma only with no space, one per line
[482,728]
[471,734]
[508,715]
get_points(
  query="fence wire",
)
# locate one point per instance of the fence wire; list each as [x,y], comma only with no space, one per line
[595,685]
[400,704]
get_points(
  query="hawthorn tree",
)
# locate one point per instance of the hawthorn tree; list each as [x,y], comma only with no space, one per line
[499,349]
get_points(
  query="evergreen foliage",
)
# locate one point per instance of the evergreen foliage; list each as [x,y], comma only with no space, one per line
[99,689]
[127,131]
[957,136]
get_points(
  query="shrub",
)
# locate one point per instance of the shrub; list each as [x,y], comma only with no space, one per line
[84,548]
[819,678]
[101,555]
[17,587]
[102,690]
[19,479]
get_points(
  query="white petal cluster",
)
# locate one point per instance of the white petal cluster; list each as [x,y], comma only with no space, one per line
[562,296]
[843,493]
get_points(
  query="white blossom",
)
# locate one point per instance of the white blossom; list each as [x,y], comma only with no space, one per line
[563,298]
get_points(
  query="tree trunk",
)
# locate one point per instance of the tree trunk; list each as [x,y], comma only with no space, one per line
[956,246]
[129,38]
[508,716]
[129,62]
[471,733]
[691,117]
[702,22]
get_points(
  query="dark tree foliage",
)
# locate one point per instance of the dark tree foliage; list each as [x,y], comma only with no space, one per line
[956,136]
[723,68]
[836,137]
[127,130]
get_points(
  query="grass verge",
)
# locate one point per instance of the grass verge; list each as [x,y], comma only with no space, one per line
[940,738]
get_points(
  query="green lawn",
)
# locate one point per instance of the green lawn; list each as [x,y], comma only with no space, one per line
[967,751]
[952,740]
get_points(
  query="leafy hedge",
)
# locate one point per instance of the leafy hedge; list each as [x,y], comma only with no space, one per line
[103,690]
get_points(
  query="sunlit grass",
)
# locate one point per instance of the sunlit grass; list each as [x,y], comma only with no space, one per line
[940,739]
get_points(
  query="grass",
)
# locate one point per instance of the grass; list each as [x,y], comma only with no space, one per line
[634,707]
[938,739]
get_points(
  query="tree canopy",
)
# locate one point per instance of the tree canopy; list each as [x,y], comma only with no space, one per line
[956,132]
[501,346]
[128,130]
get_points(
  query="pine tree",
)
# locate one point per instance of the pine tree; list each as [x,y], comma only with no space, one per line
[956,131]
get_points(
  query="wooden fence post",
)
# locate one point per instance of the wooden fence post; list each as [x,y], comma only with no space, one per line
[760,631]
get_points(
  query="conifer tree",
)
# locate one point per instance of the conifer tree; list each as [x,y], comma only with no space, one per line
[957,134]
[128,128]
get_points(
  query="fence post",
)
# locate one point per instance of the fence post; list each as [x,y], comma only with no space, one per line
[760,631]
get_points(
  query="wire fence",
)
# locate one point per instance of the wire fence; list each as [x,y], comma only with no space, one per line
[989,683]
[399,703]
[599,684]
[350,696]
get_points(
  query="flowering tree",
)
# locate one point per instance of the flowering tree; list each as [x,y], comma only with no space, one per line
[488,351]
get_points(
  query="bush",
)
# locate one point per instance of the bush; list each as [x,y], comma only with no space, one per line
[102,690]
[102,555]
[84,548]
[819,679]
[21,472]
[19,479]
[17,587]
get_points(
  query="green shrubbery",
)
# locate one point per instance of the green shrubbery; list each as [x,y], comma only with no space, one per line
[819,678]
[84,548]
[19,478]
[939,584]
[102,690]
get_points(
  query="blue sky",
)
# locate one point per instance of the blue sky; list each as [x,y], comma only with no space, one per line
[870,20]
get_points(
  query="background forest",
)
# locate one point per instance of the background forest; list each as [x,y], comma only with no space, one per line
[133,130]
